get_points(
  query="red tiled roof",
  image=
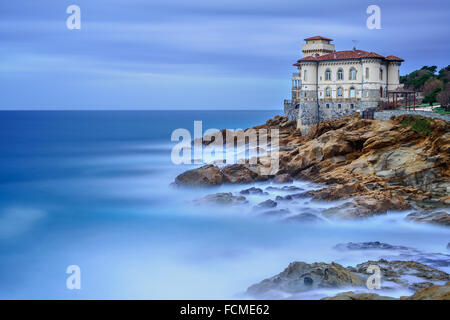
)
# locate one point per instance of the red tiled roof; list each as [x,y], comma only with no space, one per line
[347,55]
[394,58]
[318,38]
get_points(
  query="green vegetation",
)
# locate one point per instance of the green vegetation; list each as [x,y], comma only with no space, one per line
[441,111]
[420,125]
[428,81]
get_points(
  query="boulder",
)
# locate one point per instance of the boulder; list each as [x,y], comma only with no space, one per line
[437,217]
[240,173]
[435,292]
[350,295]
[266,204]
[225,198]
[283,178]
[301,276]
[208,175]
[406,273]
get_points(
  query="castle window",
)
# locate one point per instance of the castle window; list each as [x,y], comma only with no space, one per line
[367,73]
[381,74]
[340,74]
[352,106]
[352,74]
[339,92]
[328,106]
[339,105]
[328,74]
[305,75]
[352,92]
[328,92]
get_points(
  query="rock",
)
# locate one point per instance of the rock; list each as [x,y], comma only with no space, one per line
[435,292]
[226,198]
[277,212]
[397,270]
[266,204]
[350,295]
[253,190]
[283,178]
[373,245]
[208,175]
[439,218]
[301,276]
[240,173]
[338,192]
[305,218]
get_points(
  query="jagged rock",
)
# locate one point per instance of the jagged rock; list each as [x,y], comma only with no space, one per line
[373,245]
[301,276]
[240,173]
[208,175]
[395,270]
[266,204]
[305,218]
[435,292]
[350,295]
[277,212]
[440,217]
[253,190]
[225,198]
[366,206]
[283,178]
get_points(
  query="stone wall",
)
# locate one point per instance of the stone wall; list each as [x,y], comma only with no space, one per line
[387,114]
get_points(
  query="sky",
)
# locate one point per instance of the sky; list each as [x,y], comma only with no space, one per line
[193,54]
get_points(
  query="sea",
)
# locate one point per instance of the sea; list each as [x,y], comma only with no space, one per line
[93,189]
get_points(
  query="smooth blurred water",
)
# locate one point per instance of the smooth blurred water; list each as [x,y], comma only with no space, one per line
[93,189]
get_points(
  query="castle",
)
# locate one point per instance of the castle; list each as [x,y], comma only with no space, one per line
[330,84]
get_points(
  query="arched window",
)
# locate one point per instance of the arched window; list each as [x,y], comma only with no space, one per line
[339,92]
[327,92]
[381,92]
[381,74]
[340,74]
[305,75]
[352,92]
[328,74]
[352,74]
[367,73]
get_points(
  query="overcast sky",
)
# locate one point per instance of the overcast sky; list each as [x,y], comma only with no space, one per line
[185,54]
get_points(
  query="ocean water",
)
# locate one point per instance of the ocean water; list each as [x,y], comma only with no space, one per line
[92,189]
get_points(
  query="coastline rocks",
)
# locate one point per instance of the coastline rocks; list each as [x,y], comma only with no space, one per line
[224,198]
[283,178]
[439,218]
[434,292]
[208,175]
[253,191]
[240,173]
[301,276]
[366,206]
[372,245]
[266,204]
[350,295]
[305,218]
[403,272]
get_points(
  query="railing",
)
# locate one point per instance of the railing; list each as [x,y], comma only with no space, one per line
[295,74]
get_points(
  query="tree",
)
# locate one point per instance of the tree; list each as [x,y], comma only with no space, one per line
[444,96]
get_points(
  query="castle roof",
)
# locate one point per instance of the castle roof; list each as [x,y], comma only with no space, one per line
[347,55]
[318,38]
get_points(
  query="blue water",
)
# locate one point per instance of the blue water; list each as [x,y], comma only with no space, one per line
[93,189]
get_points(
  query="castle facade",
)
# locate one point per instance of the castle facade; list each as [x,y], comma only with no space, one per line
[330,84]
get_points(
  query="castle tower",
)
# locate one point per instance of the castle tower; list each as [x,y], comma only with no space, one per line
[317,46]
